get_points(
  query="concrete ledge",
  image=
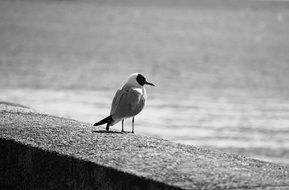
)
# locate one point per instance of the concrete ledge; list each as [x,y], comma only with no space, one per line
[45,152]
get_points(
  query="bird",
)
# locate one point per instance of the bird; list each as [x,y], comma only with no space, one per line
[128,101]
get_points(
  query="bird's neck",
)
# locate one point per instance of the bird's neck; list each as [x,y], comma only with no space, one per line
[128,86]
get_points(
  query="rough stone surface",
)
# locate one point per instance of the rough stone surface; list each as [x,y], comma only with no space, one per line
[45,152]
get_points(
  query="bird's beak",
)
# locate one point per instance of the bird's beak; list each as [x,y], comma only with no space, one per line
[148,83]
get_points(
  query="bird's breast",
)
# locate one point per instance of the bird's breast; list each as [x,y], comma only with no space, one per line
[142,92]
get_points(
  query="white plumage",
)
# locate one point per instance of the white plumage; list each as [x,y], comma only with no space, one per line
[128,101]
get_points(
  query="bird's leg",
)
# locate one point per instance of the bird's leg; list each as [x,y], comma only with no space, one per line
[122,130]
[107,127]
[132,125]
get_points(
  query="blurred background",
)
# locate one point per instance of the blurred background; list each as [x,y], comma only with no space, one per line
[220,66]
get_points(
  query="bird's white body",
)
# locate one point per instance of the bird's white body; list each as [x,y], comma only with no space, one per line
[128,101]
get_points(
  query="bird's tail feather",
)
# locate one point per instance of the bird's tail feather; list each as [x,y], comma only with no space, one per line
[105,120]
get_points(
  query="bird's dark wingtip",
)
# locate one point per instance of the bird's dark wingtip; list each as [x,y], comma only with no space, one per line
[105,120]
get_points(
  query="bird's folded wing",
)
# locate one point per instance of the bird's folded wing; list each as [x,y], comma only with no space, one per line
[119,95]
[122,97]
[133,98]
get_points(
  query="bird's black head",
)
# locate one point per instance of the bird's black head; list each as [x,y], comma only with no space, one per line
[142,80]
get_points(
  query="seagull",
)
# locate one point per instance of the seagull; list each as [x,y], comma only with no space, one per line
[128,101]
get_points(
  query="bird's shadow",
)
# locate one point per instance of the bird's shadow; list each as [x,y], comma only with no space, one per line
[115,132]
